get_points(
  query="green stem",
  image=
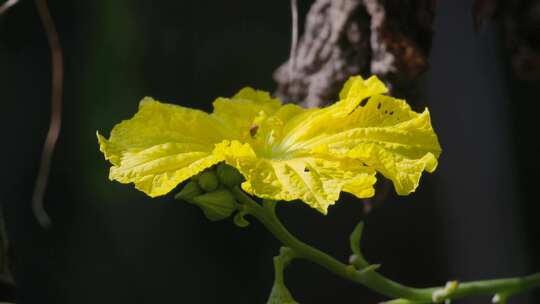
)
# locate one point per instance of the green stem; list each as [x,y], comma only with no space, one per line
[357,259]
[286,255]
[280,294]
[371,279]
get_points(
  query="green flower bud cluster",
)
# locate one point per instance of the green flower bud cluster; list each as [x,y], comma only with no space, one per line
[209,190]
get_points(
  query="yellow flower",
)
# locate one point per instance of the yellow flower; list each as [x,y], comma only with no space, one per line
[284,152]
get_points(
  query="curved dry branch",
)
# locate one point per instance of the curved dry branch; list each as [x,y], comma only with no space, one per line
[7,5]
[56,112]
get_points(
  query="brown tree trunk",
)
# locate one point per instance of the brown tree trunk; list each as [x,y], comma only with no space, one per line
[391,39]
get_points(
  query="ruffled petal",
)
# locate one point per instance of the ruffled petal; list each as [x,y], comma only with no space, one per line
[356,89]
[284,152]
[316,180]
[316,122]
[385,134]
[161,146]
[244,111]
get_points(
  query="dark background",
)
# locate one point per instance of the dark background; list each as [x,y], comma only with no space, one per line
[474,218]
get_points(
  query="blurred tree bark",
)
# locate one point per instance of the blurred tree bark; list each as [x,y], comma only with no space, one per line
[390,39]
[520,20]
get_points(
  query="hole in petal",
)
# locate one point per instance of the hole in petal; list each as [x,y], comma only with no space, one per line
[379,106]
[361,104]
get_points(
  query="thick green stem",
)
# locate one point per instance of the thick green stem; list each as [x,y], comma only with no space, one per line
[373,280]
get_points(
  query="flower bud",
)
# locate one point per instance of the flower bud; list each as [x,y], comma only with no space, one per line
[228,175]
[189,191]
[208,181]
[216,205]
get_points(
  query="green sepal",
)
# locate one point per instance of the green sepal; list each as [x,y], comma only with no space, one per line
[216,205]
[228,175]
[208,181]
[189,191]
[195,178]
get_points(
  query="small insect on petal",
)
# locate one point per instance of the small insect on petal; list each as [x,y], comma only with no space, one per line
[253,130]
